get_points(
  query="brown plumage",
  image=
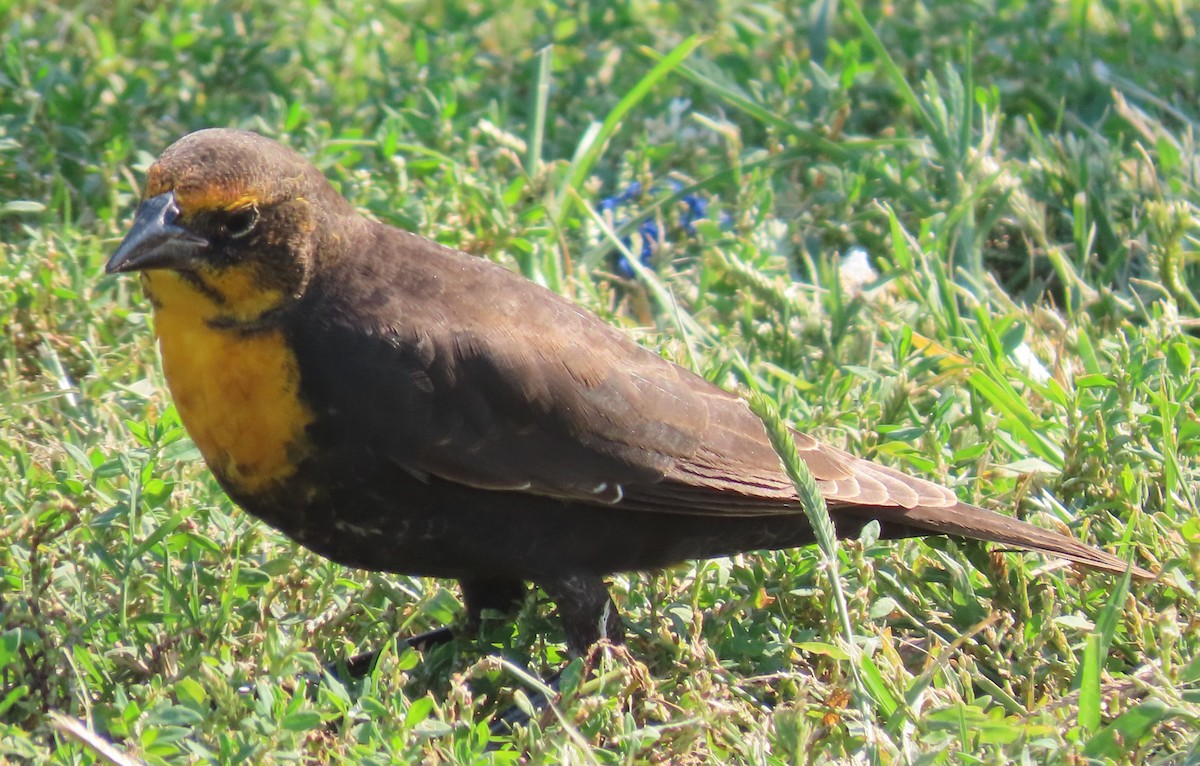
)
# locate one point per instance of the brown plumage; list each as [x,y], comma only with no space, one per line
[400,406]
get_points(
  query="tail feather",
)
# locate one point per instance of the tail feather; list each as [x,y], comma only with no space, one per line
[965,520]
[937,510]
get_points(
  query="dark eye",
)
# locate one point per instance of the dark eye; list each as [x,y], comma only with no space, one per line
[238,223]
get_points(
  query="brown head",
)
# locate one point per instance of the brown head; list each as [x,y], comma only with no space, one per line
[228,225]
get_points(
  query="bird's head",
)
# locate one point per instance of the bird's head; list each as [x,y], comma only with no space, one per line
[228,227]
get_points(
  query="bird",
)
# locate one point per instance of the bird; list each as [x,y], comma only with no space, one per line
[396,405]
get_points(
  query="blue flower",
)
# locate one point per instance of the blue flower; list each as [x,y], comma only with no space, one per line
[694,208]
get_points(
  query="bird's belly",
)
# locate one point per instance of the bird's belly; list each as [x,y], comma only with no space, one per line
[370,516]
[239,398]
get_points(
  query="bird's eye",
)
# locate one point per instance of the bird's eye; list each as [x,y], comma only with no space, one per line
[239,223]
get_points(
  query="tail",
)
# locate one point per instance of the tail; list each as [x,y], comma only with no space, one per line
[908,506]
[964,520]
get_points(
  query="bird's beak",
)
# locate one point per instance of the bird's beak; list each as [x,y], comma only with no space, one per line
[157,239]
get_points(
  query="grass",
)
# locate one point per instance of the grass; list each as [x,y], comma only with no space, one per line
[1022,178]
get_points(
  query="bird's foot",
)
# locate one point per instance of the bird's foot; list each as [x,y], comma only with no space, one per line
[360,665]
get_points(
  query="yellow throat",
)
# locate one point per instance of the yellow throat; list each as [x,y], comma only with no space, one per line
[237,392]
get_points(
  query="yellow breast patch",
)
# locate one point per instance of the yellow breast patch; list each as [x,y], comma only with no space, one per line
[238,394]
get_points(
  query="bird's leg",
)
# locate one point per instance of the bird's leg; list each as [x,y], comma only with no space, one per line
[500,595]
[587,612]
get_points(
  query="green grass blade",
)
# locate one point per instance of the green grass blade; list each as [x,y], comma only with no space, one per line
[818,516]
[541,97]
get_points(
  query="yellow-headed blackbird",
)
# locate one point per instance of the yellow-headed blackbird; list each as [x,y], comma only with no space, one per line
[396,405]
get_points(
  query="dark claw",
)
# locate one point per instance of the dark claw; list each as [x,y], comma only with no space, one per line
[360,664]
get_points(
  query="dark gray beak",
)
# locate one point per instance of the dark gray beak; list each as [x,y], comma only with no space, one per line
[157,239]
